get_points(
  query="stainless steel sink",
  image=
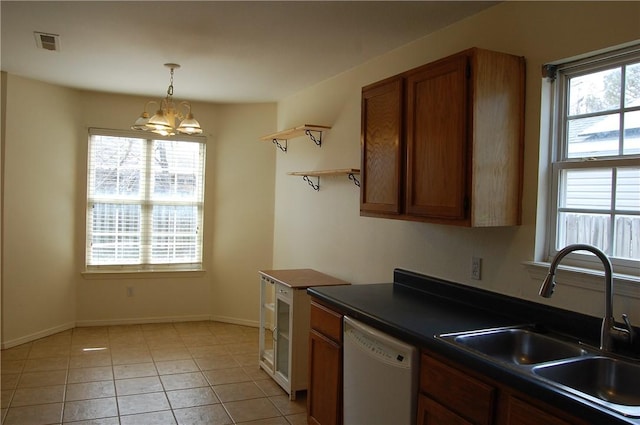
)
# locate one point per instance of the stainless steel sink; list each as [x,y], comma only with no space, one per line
[603,378]
[591,374]
[518,346]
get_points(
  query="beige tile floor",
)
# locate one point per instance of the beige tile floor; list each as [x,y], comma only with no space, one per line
[152,374]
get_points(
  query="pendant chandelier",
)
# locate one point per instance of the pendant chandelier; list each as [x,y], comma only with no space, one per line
[168,115]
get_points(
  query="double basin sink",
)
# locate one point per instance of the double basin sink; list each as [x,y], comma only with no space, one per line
[603,379]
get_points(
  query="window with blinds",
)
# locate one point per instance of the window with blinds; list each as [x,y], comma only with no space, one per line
[596,164]
[145,202]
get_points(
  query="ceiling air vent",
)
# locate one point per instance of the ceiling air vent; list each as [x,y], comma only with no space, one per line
[47,41]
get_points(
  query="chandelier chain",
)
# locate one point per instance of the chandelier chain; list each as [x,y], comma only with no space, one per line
[170,89]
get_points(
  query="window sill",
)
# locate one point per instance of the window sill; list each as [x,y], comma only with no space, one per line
[142,274]
[626,285]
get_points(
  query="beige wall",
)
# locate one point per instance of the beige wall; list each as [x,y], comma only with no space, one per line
[243,222]
[3,116]
[43,288]
[323,230]
[39,261]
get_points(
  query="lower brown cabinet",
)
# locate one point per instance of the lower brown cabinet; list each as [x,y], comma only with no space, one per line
[519,412]
[453,395]
[464,398]
[432,413]
[324,394]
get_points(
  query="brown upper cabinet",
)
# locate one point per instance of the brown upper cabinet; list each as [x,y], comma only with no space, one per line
[382,147]
[443,143]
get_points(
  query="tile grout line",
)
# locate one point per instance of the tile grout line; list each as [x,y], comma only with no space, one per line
[188,342]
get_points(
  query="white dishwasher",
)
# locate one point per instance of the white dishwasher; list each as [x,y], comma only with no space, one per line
[380,377]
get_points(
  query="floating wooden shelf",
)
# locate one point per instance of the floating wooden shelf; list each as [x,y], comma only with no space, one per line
[319,173]
[313,131]
[350,172]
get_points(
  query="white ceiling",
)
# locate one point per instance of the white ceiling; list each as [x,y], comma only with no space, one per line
[230,51]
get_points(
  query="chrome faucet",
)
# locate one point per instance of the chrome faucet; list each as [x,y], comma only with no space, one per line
[609,330]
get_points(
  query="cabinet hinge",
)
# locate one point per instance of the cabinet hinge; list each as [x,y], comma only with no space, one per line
[468,70]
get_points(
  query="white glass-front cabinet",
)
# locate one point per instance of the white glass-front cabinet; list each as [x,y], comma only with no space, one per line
[284,324]
[267,323]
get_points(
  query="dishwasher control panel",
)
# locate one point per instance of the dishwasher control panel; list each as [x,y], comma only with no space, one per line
[375,346]
[375,343]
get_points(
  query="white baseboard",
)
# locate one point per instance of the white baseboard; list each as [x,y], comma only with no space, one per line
[131,321]
[236,321]
[37,335]
[143,320]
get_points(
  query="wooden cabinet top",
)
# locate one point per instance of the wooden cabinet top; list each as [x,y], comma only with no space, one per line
[301,278]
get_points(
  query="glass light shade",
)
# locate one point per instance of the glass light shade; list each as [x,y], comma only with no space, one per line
[159,121]
[190,125]
[160,124]
[141,122]
[164,132]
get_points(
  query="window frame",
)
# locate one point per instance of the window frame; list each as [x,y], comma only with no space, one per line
[560,74]
[145,202]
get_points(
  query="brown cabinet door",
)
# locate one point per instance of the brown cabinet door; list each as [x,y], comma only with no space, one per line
[437,111]
[382,147]
[468,397]
[520,412]
[432,413]
[325,381]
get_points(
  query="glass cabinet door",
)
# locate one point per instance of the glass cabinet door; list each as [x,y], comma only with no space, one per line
[267,324]
[283,310]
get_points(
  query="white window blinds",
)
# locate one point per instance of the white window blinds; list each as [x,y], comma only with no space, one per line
[144,201]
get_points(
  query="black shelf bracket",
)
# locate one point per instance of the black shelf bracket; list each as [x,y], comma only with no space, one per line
[315,186]
[280,146]
[354,179]
[315,138]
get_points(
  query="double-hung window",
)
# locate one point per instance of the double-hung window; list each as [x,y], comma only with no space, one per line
[145,200]
[596,157]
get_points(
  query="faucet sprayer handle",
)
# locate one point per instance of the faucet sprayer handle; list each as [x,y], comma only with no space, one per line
[629,328]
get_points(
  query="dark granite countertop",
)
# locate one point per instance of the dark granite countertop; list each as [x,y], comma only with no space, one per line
[416,308]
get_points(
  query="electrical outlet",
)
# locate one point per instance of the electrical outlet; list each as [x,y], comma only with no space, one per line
[476,268]
[129,291]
